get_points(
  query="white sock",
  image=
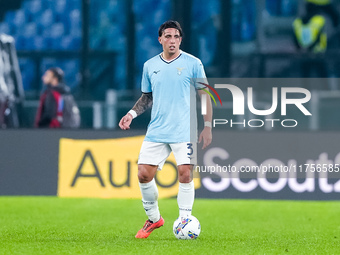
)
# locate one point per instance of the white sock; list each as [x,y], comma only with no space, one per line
[185,198]
[150,195]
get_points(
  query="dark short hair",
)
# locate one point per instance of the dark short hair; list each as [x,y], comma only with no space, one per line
[170,24]
[58,73]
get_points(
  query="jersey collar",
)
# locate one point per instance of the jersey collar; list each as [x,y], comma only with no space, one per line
[168,62]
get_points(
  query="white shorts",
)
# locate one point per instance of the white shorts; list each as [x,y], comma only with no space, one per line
[156,153]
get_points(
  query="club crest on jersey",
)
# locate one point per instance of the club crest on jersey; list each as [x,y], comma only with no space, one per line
[179,70]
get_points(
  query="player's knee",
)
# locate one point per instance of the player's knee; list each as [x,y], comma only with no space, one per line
[184,176]
[143,175]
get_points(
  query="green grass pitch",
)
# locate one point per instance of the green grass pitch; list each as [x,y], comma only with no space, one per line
[51,225]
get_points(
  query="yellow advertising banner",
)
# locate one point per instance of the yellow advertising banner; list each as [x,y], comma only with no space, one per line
[108,169]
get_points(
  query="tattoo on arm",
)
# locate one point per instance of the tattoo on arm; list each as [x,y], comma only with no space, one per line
[143,103]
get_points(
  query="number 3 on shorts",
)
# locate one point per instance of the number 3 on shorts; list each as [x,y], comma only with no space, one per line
[191,150]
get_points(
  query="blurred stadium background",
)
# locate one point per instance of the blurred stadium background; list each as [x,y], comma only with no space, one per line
[103,44]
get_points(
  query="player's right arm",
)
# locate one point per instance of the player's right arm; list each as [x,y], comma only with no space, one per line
[142,104]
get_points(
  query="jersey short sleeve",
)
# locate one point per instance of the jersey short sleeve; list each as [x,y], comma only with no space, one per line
[199,75]
[146,85]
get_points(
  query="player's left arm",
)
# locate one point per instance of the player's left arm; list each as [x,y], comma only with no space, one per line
[206,134]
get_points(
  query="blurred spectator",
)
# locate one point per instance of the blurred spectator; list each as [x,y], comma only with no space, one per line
[309,33]
[310,37]
[3,104]
[325,6]
[49,114]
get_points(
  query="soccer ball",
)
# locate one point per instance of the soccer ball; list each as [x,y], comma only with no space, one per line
[187,228]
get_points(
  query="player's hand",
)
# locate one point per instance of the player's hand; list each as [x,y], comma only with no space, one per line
[206,136]
[125,122]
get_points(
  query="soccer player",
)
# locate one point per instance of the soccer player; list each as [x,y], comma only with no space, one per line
[167,85]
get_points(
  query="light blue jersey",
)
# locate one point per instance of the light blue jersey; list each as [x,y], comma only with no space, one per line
[171,84]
